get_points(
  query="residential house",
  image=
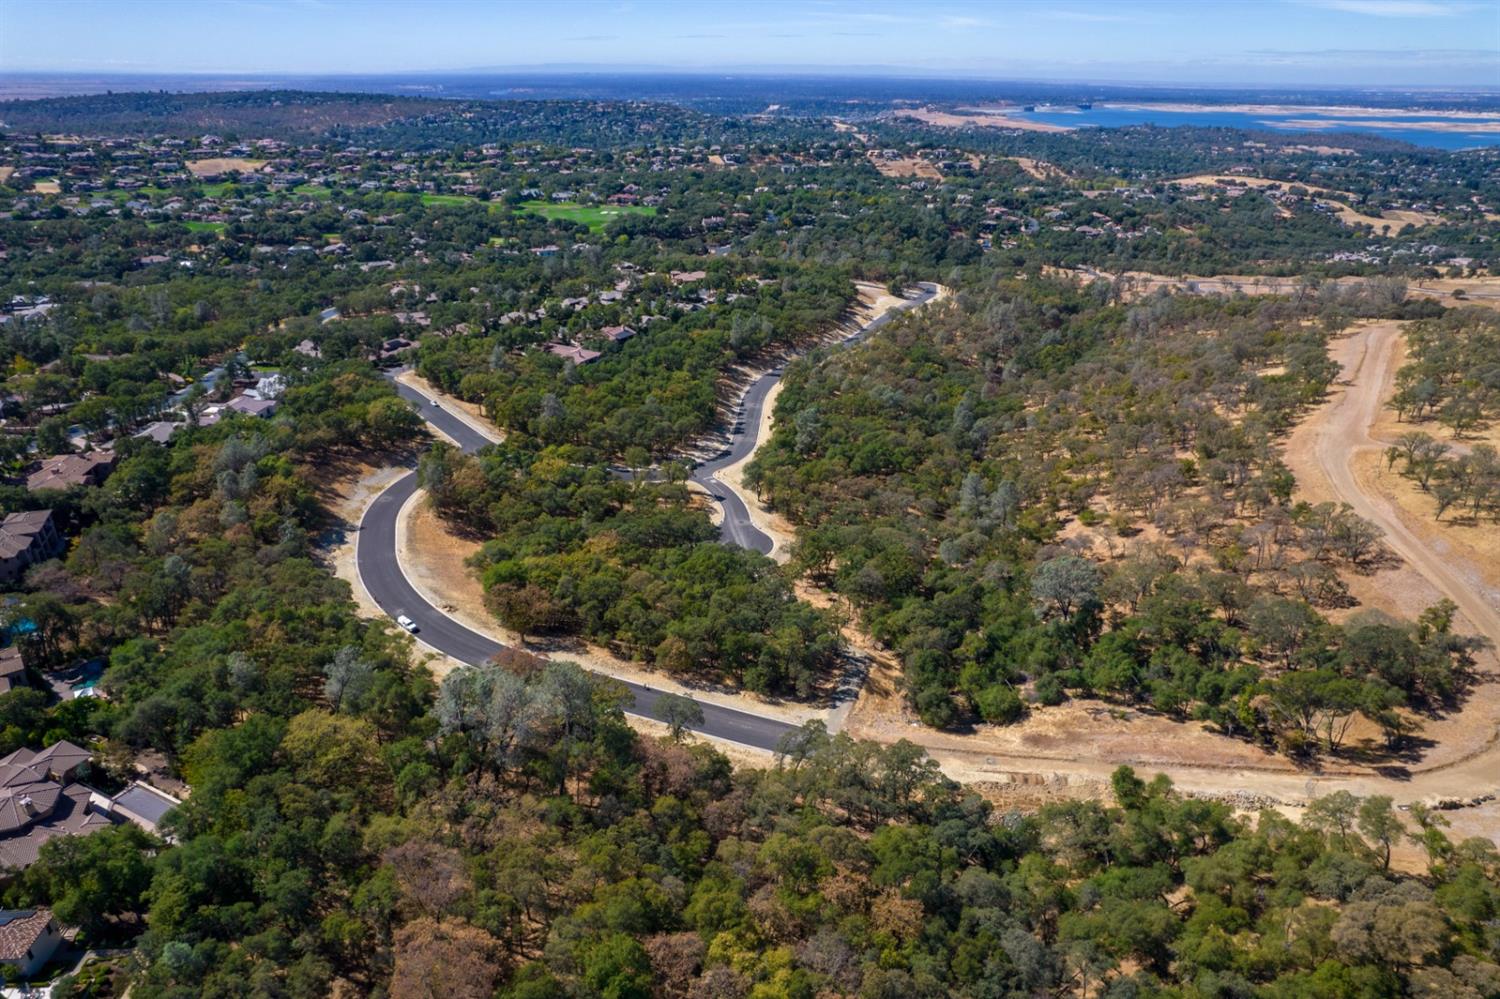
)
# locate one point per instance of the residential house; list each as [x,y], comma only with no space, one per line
[41,798]
[66,470]
[28,939]
[160,431]
[573,353]
[26,539]
[617,334]
[251,406]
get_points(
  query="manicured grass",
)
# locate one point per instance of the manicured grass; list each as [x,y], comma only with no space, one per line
[218,190]
[448,199]
[205,226]
[312,191]
[596,217]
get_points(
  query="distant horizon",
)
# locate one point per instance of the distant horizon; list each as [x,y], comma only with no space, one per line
[227,81]
[1389,44]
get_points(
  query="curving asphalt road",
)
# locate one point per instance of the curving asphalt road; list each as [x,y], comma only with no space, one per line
[736,527]
[380,569]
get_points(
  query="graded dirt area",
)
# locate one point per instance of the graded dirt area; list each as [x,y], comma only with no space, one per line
[1480,290]
[1040,169]
[946,119]
[905,166]
[219,165]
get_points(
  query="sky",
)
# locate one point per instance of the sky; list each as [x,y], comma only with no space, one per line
[1396,43]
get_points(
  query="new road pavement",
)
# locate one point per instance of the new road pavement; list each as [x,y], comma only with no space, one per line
[737,528]
[380,568]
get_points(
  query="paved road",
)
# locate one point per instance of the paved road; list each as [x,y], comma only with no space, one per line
[379,569]
[737,528]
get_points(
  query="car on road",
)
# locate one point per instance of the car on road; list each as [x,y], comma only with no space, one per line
[407,623]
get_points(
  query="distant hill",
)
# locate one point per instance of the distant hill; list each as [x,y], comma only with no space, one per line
[259,113]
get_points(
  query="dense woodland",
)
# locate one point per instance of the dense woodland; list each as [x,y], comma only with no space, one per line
[933,473]
[1036,491]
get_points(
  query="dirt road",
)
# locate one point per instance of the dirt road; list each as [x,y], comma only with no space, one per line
[1345,431]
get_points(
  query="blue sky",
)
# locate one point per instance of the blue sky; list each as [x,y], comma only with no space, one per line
[1366,42]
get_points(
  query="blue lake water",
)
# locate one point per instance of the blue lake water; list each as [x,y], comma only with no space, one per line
[1108,117]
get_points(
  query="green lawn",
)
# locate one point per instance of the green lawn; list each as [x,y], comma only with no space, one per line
[596,217]
[205,226]
[218,190]
[312,191]
[448,199]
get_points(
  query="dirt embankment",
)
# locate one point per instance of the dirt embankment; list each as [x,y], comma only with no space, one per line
[1481,290]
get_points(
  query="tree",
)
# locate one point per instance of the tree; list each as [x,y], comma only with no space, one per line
[349,680]
[1379,825]
[679,712]
[451,959]
[1063,585]
[90,881]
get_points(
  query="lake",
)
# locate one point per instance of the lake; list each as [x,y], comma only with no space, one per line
[1112,116]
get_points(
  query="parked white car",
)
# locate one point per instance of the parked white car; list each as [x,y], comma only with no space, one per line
[406,623]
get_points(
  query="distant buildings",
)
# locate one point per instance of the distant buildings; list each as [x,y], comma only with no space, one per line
[26,539]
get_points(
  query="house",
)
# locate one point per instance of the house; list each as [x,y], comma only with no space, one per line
[688,277]
[549,250]
[618,334]
[308,349]
[251,406]
[40,798]
[160,431]
[573,353]
[66,470]
[12,669]
[26,539]
[28,939]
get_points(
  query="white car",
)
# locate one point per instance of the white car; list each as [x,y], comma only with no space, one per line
[406,623]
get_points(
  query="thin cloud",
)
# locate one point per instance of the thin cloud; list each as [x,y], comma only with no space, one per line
[1088,16]
[1395,8]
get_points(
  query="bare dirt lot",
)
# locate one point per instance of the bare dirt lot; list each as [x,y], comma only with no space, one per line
[219,165]
[905,166]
